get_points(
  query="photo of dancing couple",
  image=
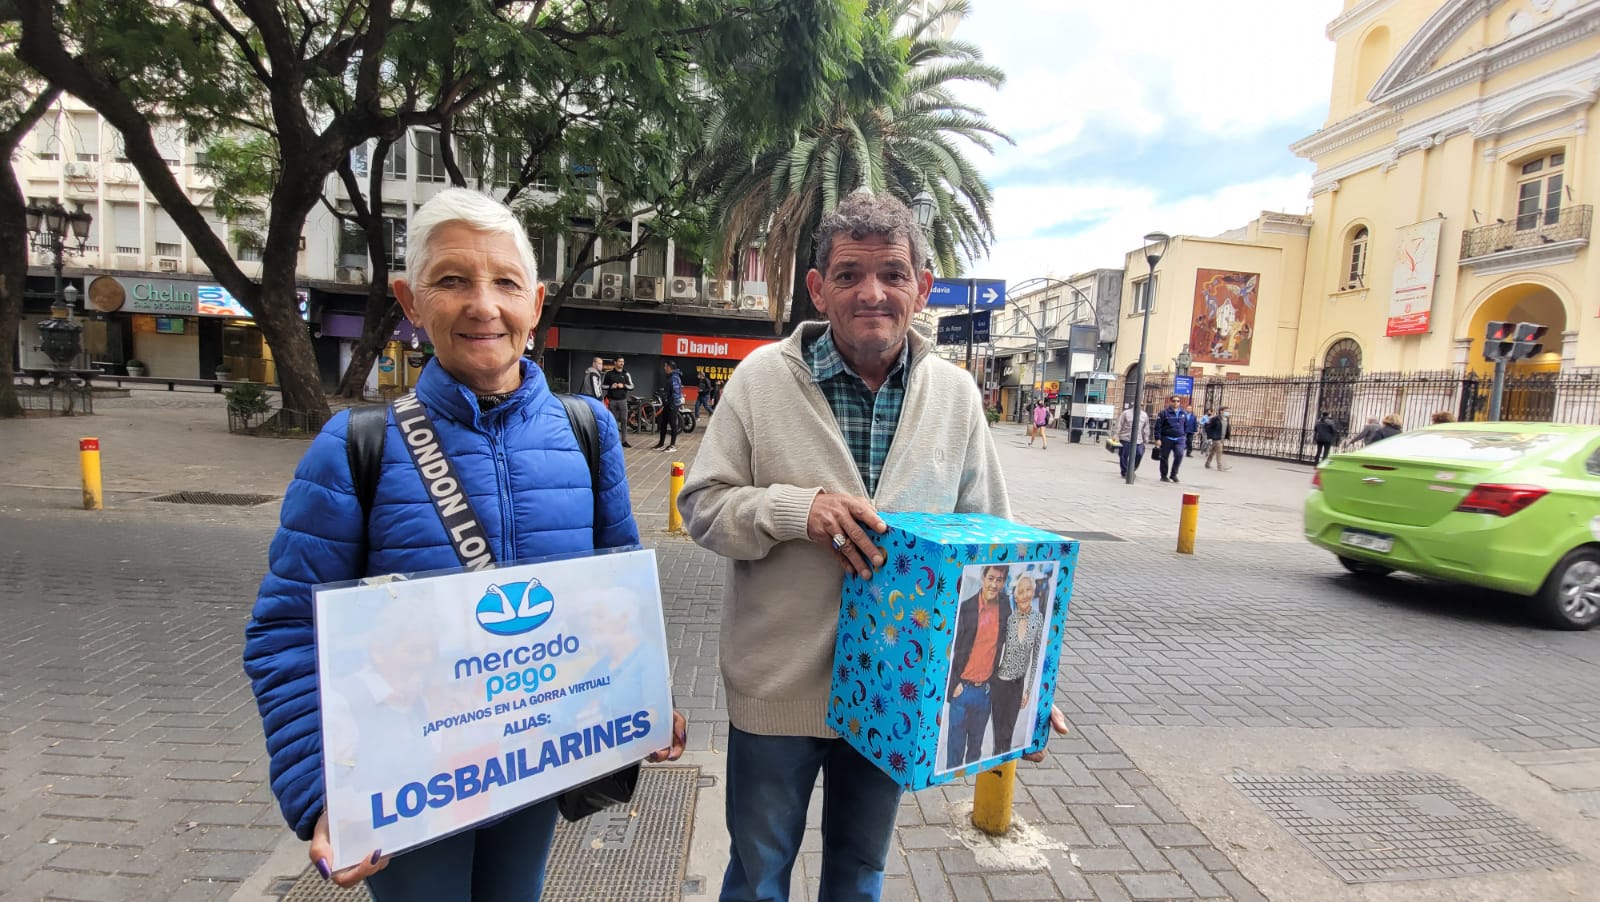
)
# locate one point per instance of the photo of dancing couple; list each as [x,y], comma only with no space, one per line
[996,659]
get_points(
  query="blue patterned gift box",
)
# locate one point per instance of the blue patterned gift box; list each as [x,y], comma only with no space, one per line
[897,631]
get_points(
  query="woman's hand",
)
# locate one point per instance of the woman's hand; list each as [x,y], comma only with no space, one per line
[680,738]
[322,850]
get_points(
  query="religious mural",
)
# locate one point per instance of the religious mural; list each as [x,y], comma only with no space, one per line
[1224,321]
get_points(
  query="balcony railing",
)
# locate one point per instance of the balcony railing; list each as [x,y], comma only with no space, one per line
[1531,231]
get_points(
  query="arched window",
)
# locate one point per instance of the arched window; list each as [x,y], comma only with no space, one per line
[1355,275]
[1343,359]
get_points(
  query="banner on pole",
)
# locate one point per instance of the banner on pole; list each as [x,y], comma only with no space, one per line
[1415,265]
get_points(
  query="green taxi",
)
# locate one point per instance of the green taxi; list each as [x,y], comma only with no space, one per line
[1508,506]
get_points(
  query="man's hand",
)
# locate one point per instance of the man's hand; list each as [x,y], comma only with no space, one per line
[842,515]
[1058,724]
[322,850]
[680,738]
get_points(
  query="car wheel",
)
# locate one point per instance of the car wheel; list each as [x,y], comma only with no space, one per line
[1571,593]
[1364,568]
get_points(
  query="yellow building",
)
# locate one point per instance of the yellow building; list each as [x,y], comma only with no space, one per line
[1454,185]
[1233,301]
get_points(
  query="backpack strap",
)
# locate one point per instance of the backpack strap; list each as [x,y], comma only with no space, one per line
[587,431]
[363,447]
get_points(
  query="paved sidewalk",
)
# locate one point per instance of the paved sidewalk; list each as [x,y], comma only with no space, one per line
[130,754]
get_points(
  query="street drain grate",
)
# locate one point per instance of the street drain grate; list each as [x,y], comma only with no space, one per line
[214,498]
[1082,535]
[629,853]
[1372,828]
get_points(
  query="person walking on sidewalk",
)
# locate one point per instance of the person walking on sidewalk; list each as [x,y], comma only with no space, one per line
[1041,416]
[1217,432]
[670,394]
[1367,435]
[618,385]
[507,440]
[703,396]
[787,485]
[1326,435]
[594,379]
[1174,425]
[1132,441]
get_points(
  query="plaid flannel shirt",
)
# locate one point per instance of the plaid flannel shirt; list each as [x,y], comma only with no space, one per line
[867,419]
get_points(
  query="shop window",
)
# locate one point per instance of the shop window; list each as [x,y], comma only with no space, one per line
[1355,274]
[1539,191]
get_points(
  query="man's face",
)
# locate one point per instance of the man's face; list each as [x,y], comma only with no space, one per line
[870,292]
[994,579]
[620,362]
[598,364]
[1174,403]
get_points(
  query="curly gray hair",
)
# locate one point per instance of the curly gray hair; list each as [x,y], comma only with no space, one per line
[863,214]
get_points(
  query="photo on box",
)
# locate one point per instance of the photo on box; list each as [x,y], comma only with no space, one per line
[997,653]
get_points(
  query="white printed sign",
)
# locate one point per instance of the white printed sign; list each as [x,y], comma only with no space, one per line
[452,699]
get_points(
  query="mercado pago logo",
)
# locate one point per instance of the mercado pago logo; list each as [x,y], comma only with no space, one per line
[516,680]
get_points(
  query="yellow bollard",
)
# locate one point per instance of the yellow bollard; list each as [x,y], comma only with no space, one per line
[674,518]
[991,802]
[89,462]
[1188,522]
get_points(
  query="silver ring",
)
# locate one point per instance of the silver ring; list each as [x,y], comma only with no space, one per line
[839,541]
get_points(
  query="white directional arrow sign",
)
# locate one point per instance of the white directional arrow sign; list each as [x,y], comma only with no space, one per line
[989,296]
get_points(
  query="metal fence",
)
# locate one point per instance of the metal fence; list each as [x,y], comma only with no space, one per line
[277,423]
[60,399]
[1275,416]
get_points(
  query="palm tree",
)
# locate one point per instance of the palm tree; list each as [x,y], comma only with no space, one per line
[893,124]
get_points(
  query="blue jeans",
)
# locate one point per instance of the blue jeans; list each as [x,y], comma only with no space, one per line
[769,788]
[1172,451]
[702,402]
[502,862]
[1132,455]
[969,717]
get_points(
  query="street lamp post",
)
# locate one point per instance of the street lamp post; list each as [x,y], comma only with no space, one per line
[48,230]
[1155,247]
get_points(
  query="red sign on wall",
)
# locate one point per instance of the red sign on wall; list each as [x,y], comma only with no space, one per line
[709,346]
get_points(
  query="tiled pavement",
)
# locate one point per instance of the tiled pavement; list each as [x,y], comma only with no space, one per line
[132,765]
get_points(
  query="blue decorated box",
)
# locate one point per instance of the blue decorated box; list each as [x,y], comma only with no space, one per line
[946,659]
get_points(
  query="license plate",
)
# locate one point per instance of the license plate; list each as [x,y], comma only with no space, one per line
[1368,540]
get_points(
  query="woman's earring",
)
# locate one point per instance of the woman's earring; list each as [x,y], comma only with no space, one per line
[415,343]
[530,341]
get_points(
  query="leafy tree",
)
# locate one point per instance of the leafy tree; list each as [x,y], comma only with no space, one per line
[893,124]
[22,102]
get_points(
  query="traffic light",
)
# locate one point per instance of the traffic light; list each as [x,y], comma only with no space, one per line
[1499,343]
[1526,343]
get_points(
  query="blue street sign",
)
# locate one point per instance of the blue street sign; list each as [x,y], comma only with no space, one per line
[1183,386]
[991,293]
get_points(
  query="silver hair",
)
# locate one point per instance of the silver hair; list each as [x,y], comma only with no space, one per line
[473,210]
[863,214]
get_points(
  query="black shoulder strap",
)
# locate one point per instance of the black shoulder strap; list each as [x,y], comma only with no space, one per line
[364,448]
[587,431]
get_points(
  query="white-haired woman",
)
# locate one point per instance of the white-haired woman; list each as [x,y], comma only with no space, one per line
[1019,658]
[472,285]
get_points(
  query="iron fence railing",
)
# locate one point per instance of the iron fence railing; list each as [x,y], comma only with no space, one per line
[277,423]
[1529,230]
[1275,416]
[66,398]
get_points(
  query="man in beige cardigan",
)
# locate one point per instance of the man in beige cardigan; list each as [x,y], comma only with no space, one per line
[814,434]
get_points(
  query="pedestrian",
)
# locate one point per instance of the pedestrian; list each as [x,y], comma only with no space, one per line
[1443,416]
[593,379]
[510,444]
[1018,659]
[788,490]
[1132,441]
[618,385]
[702,392]
[1368,433]
[670,394]
[1173,425]
[1391,428]
[1041,415]
[1217,431]
[1326,434]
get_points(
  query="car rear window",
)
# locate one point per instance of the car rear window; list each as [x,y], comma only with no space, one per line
[1477,447]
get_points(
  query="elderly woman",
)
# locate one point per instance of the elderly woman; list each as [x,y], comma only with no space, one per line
[1018,660]
[473,287]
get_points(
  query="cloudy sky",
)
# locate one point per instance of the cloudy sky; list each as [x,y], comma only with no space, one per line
[1140,115]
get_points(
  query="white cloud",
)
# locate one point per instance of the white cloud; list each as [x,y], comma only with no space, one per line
[1088,85]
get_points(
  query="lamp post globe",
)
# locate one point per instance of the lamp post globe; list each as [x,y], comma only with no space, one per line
[1155,247]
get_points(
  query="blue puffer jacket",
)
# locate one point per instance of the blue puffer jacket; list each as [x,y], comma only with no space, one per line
[529,485]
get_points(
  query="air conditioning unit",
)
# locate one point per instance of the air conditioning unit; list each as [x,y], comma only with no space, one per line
[79,171]
[610,280]
[551,286]
[352,275]
[718,291]
[752,302]
[682,289]
[648,289]
[583,291]
[167,264]
[611,292]
[42,258]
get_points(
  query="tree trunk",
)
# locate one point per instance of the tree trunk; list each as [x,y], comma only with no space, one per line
[800,306]
[382,312]
[374,335]
[278,317]
[13,279]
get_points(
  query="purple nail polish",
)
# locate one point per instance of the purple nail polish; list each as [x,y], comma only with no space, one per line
[322,868]
[376,854]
